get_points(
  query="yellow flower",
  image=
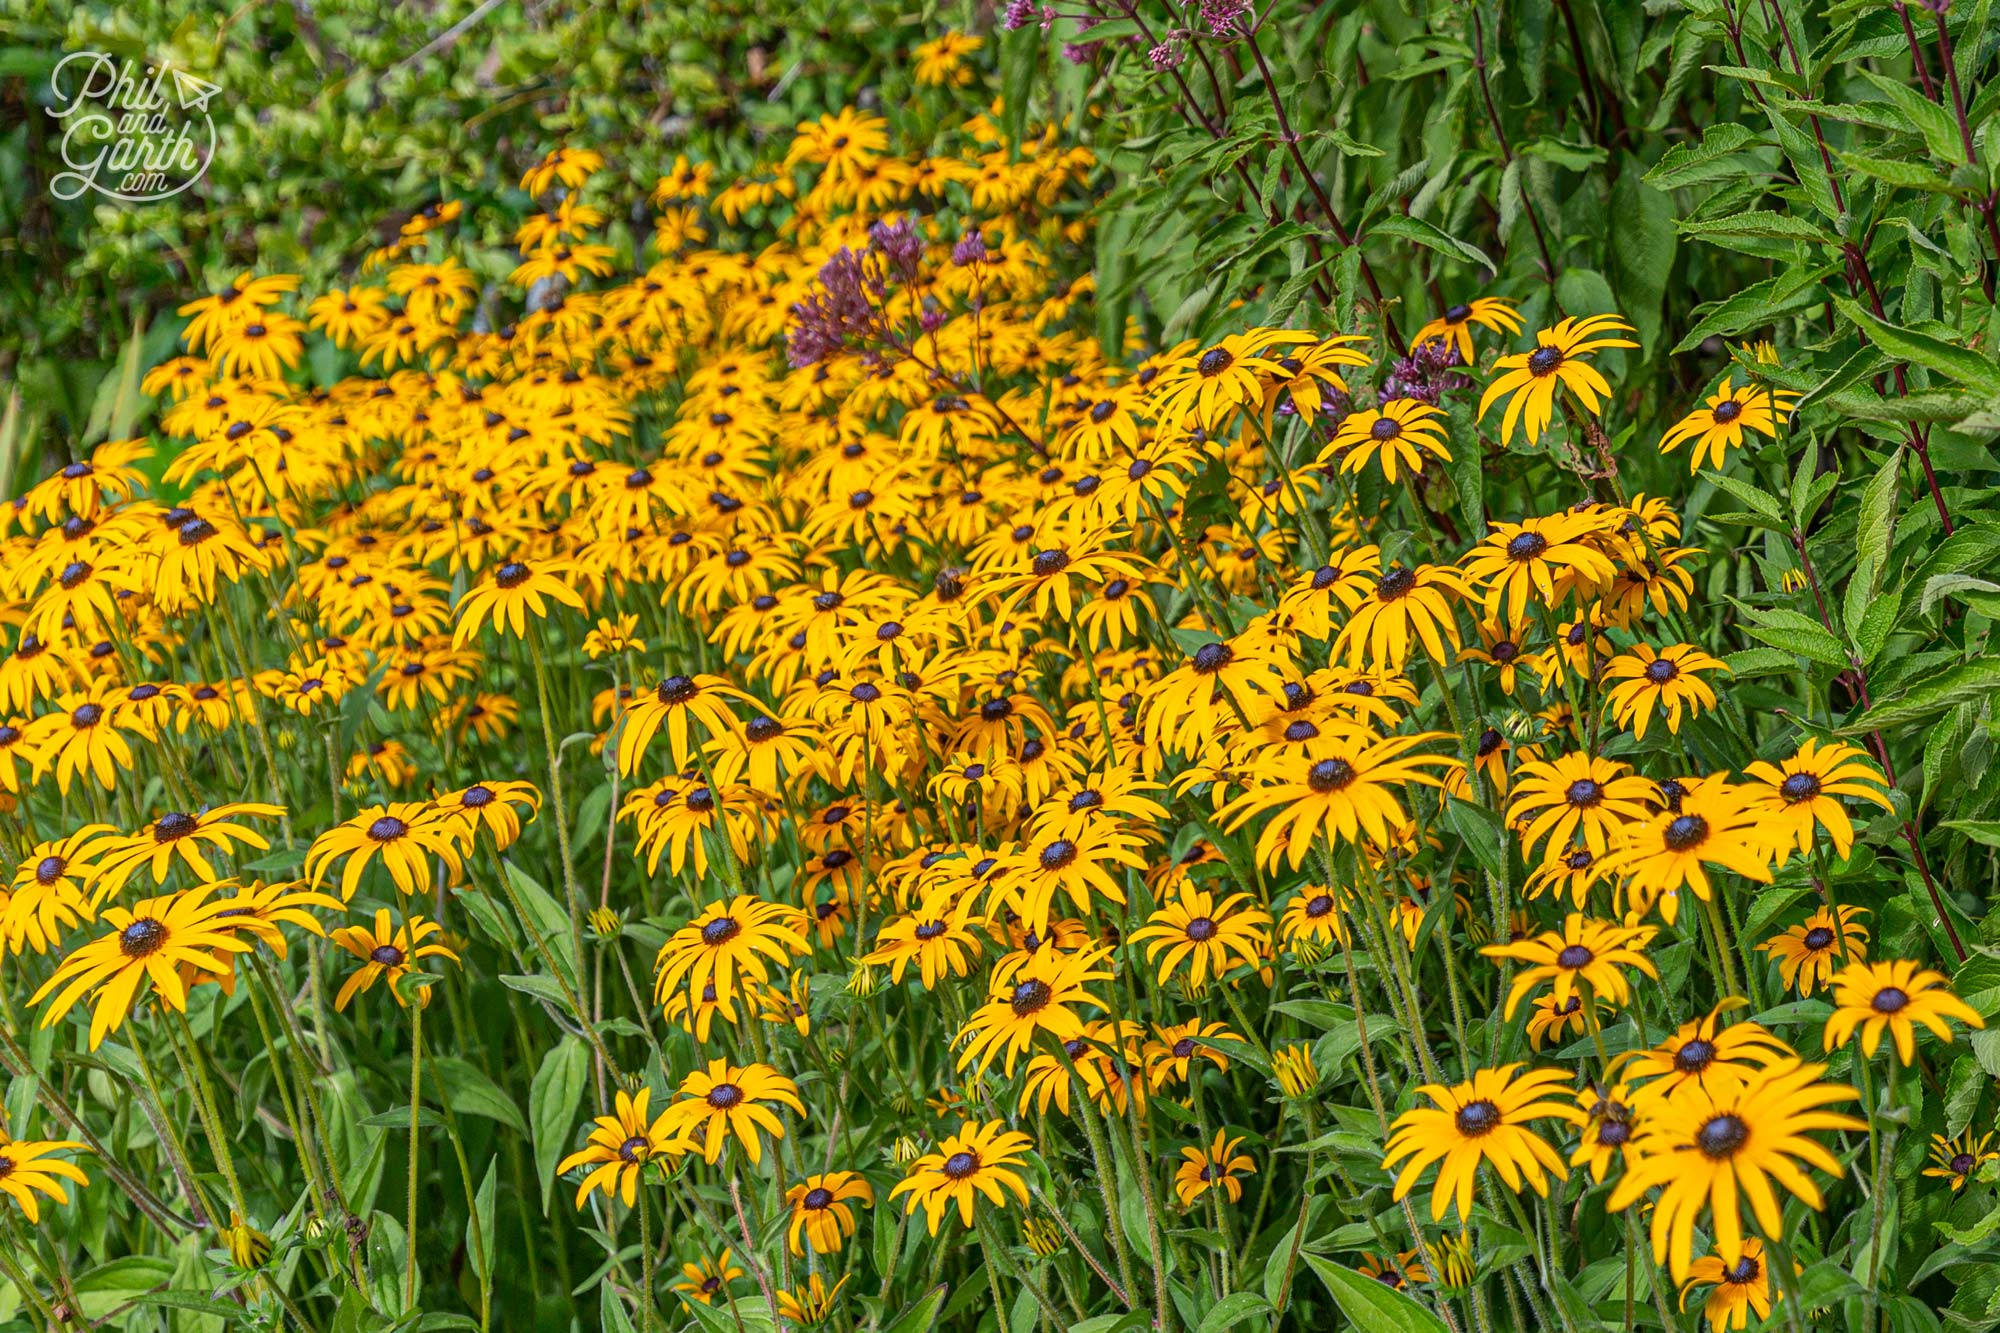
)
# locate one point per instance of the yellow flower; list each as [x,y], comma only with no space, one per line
[978,1159]
[1895,994]
[515,591]
[404,835]
[1215,1167]
[1711,1149]
[1454,326]
[387,953]
[1585,955]
[1810,952]
[1293,1065]
[28,1168]
[1529,381]
[1722,424]
[1210,935]
[620,1147]
[820,1211]
[725,1098]
[149,942]
[1484,1119]
[1642,681]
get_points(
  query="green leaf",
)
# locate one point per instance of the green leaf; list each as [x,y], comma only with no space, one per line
[1643,245]
[921,1315]
[1368,1304]
[1419,232]
[1961,364]
[1966,682]
[1758,224]
[1796,634]
[553,1098]
[1933,122]
[479,1238]
[473,1093]
[1232,1310]
[1755,306]
[1698,163]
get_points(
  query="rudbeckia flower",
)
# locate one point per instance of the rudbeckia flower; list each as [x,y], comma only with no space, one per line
[977,1160]
[724,1098]
[1454,326]
[1213,1168]
[514,591]
[820,1209]
[403,835]
[1724,422]
[1643,682]
[1482,1120]
[1893,995]
[620,1147]
[1529,381]
[388,952]
[1712,1149]
[149,942]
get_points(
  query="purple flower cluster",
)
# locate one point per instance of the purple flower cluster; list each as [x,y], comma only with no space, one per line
[970,250]
[1224,18]
[1427,374]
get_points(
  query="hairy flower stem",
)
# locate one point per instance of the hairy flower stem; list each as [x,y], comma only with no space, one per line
[998,1249]
[190,1062]
[645,1263]
[572,893]
[1100,1157]
[416,1111]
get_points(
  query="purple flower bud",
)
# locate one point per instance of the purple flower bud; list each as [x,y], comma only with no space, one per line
[1165,56]
[1019,14]
[932,319]
[1224,18]
[970,250]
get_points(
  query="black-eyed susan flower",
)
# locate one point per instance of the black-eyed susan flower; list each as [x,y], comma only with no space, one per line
[680,704]
[1712,1149]
[1045,996]
[724,1098]
[620,1147]
[388,952]
[403,836]
[1080,868]
[1608,1125]
[938,937]
[1702,1052]
[1809,953]
[1724,422]
[703,1280]
[306,686]
[1586,955]
[1402,433]
[1397,1272]
[1955,1159]
[1737,1290]
[1801,794]
[1406,606]
[980,1159]
[1209,934]
[178,837]
[1484,1119]
[150,942]
[1213,1168]
[1541,560]
[730,943]
[1712,825]
[1529,381]
[822,1215]
[1643,682]
[514,591]
[1895,995]
[1454,326]
[813,1302]
[1350,793]
[494,806]
[30,1167]
[1576,794]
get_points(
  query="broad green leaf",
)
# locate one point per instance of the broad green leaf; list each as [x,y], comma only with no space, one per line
[1961,364]
[1964,683]
[1368,1304]
[554,1098]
